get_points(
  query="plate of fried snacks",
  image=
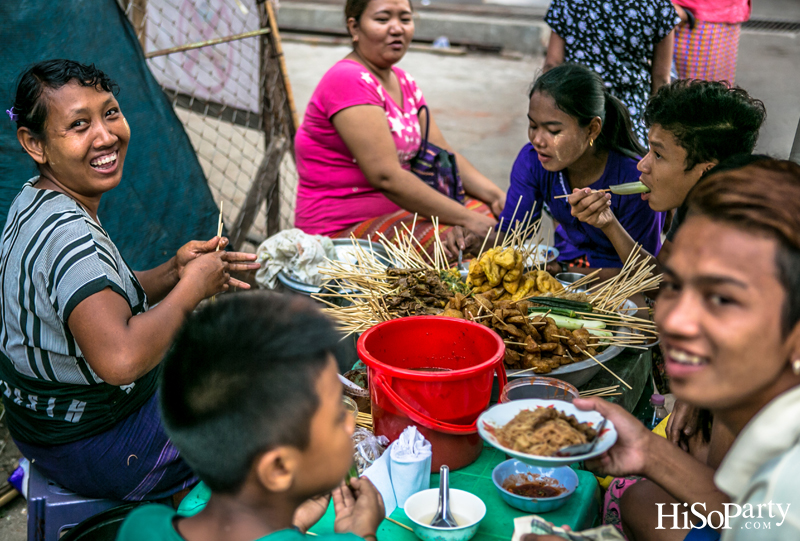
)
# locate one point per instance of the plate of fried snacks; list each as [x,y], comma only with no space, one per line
[534,431]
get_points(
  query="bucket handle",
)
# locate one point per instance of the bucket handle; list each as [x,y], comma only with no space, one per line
[430,422]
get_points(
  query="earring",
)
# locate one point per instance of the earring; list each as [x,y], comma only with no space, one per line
[796,366]
[591,142]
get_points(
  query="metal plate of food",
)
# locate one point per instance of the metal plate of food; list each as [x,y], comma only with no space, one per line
[345,251]
[581,372]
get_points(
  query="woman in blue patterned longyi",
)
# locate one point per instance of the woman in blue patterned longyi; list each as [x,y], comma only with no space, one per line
[628,42]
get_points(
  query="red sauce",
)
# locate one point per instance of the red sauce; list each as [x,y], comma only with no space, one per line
[533,486]
[535,490]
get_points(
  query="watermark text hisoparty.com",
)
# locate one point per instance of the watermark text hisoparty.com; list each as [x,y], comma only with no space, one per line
[717,519]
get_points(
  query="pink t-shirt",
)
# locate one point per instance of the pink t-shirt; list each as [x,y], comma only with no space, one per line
[332,193]
[718,11]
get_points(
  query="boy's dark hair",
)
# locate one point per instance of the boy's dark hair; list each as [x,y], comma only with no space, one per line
[29,104]
[710,120]
[240,380]
[580,92]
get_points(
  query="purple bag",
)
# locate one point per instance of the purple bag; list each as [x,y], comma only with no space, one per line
[437,167]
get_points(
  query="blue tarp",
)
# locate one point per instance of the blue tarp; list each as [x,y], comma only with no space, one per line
[163,200]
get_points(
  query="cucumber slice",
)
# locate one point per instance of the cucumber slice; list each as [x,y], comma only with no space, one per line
[574,323]
[629,188]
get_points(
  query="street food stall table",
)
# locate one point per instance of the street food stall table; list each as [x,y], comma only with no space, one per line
[579,512]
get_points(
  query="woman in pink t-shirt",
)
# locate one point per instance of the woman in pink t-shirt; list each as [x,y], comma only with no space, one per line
[360,131]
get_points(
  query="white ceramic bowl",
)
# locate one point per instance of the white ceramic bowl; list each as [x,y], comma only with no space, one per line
[501,414]
[542,254]
[467,509]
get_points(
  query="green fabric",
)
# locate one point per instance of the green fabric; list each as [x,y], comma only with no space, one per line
[633,366]
[498,524]
[154,523]
[579,512]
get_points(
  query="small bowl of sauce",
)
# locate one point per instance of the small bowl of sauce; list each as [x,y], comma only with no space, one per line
[534,489]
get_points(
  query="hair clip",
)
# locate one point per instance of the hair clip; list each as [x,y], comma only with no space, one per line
[12,115]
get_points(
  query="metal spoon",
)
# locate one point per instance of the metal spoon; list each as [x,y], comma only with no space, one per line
[443,518]
[583,448]
[460,260]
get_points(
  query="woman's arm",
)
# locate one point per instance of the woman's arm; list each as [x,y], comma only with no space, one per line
[120,347]
[364,130]
[555,52]
[475,183]
[662,62]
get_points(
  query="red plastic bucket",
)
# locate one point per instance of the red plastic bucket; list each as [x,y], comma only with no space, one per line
[445,403]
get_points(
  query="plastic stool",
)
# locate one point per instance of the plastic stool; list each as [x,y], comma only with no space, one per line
[53,509]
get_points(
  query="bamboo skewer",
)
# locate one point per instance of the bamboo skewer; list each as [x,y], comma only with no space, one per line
[219,223]
[607,368]
[399,524]
[604,190]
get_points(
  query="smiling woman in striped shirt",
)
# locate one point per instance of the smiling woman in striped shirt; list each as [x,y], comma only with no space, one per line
[79,340]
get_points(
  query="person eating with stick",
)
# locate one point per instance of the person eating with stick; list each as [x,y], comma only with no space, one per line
[693,125]
[81,343]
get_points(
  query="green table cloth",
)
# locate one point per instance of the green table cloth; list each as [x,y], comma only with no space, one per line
[579,512]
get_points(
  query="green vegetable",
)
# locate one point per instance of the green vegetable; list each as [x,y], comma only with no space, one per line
[629,188]
[552,310]
[566,304]
[452,279]
[597,332]
[573,323]
[352,472]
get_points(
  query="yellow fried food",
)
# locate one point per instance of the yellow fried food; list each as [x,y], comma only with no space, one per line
[511,287]
[513,275]
[505,258]
[545,283]
[490,268]
[526,288]
[483,288]
[475,275]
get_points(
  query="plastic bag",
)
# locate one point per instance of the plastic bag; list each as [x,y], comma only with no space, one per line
[368,448]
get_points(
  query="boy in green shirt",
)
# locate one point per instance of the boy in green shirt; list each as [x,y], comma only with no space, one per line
[251,398]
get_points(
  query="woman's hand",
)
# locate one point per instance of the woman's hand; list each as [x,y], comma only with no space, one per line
[208,274]
[457,239]
[479,224]
[682,424]
[591,207]
[310,511]
[498,204]
[236,261]
[629,454]
[359,508]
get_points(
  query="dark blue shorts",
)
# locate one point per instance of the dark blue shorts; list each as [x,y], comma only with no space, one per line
[133,461]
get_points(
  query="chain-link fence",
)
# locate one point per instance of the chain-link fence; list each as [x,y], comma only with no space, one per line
[220,63]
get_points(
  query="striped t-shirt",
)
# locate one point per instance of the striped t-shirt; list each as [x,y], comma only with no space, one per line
[54,255]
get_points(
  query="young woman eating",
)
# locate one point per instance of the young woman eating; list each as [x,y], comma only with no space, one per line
[580,137]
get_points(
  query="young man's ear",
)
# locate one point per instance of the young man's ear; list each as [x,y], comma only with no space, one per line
[32,145]
[276,469]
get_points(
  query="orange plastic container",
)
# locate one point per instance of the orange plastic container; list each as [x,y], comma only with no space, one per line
[436,373]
